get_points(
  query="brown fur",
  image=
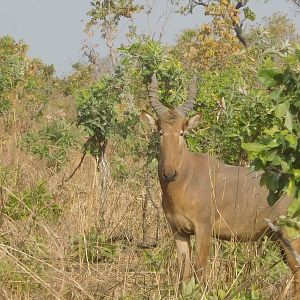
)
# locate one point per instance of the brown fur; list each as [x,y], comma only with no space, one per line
[208,198]
[170,117]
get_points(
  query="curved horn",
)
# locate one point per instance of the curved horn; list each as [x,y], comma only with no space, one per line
[186,107]
[159,108]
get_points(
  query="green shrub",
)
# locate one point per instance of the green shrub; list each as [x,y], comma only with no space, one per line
[13,64]
[233,112]
[277,151]
[5,106]
[93,247]
[52,142]
[103,115]
[35,201]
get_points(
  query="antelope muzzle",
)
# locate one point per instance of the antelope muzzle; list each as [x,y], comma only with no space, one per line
[169,176]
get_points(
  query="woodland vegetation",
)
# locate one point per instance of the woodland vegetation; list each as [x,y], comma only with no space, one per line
[80,201]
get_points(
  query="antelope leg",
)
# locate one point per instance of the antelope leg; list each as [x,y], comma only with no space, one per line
[294,265]
[183,248]
[203,236]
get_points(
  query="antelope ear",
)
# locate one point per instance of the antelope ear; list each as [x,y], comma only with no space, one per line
[149,119]
[194,121]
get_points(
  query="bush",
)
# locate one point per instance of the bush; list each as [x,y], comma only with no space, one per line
[93,247]
[35,202]
[233,112]
[102,114]
[52,142]
[277,151]
[5,106]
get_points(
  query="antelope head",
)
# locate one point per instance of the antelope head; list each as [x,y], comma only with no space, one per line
[172,125]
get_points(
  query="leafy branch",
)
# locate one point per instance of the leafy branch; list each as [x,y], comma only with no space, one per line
[277,151]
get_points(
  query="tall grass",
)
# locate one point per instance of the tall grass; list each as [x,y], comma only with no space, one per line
[97,248]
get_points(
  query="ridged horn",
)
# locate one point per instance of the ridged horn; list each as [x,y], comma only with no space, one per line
[186,107]
[159,108]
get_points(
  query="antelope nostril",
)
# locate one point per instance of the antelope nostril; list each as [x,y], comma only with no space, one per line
[170,177]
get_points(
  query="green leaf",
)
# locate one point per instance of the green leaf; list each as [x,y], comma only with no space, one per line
[294,208]
[275,95]
[272,181]
[254,147]
[271,156]
[292,140]
[269,77]
[296,103]
[296,173]
[231,135]
[272,130]
[273,143]
[288,121]
[285,166]
[282,109]
[272,198]
[190,288]
[274,159]
[291,190]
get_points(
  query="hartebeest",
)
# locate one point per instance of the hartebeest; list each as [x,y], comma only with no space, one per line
[202,196]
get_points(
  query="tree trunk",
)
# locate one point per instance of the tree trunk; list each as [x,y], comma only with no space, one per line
[104,169]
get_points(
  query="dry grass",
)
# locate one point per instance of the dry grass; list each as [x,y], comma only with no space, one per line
[92,251]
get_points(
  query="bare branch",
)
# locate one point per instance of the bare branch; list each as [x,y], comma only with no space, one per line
[199,3]
[240,4]
[193,3]
[239,33]
[84,148]
[238,27]
[296,2]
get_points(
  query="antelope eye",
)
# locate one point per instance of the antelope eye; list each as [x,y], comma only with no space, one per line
[161,132]
[181,133]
